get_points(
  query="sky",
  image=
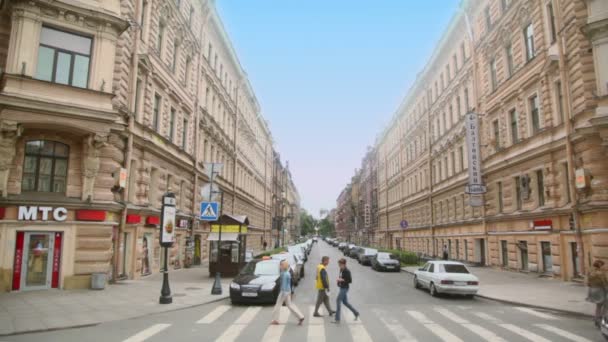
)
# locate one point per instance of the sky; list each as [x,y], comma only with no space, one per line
[329,75]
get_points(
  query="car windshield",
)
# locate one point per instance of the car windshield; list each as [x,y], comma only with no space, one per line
[385,256]
[261,268]
[455,268]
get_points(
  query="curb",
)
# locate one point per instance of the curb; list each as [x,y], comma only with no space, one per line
[76,326]
[562,311]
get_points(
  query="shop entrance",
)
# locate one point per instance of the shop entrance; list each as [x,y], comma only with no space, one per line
[37,260]
[547,259]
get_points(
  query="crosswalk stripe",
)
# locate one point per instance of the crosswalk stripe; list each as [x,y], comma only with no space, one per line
[524,333]
[214,315]
[316,327]
[233,331]
[477,329]
[436,329]
[398,331]
[536,313]
[562,333]
[274,332]
[147,333]
[488,317]
[359,333]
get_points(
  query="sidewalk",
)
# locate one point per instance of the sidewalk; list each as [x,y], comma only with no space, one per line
[530,290]
[55,309]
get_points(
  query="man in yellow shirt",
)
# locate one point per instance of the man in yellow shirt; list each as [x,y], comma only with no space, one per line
[322,285]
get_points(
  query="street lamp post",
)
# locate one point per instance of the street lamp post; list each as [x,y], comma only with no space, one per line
[167,233]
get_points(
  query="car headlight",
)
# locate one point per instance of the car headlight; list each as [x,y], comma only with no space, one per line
[268,286]
[235,286]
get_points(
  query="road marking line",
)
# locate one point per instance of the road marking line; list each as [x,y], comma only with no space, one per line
[400,333]
[536,313]
[273,332]
[311,318]
[524,333]
[435,328]
[562,333]
[147,333]
[479,330]
[488,317]
[233,331]
[214,315]
[316,332]
[359,333]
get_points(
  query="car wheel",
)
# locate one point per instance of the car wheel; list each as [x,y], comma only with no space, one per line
[302,273]
[433,290]
[416,283]
[470,296]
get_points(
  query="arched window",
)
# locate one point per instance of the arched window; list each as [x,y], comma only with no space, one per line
[45,167]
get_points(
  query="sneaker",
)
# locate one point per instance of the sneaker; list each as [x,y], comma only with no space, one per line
[331,313]
[301,321]
[356,317]
[335,322]
[317,315]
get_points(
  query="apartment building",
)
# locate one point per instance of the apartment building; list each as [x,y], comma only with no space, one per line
[534,72]
[106,106]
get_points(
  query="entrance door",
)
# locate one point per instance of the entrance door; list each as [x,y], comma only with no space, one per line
[523,248]
[37,265]
[482,250]
[574,252]
[547,259]
[505,253]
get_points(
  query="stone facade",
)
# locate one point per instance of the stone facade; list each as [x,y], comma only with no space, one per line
[534,71]
[163,94]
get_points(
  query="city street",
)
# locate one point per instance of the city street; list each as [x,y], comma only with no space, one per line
[391,310]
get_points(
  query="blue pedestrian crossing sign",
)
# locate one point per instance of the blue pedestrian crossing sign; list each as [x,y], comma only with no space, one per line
[209,211]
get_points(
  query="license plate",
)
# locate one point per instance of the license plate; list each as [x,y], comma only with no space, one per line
[391,267]
[250,294]
[460,283]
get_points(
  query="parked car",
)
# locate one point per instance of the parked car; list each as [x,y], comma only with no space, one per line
[366,255]
[448,277]
[383,261]
[350,249]
[298,251]
[342,246]
[258,282]
[354,252]
[297,266]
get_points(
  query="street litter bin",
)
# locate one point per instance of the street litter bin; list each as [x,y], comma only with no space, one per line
[98,281]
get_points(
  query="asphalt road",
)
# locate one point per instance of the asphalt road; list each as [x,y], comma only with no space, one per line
[391,310]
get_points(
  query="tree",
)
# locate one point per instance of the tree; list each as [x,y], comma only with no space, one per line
[326,227]
[307,223]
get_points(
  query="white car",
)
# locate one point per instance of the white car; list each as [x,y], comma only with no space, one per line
[448,277]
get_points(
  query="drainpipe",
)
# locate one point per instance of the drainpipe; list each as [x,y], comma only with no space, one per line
[565,82]
[430,163]
[129,147]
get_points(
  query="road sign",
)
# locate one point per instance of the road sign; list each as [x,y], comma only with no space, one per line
[212,169]
[209,211]
[404,224]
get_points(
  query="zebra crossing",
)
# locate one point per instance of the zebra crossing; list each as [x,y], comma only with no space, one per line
[225,323]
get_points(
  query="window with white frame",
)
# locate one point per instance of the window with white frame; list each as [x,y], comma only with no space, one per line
[529,41]
[64,57]
[45,166]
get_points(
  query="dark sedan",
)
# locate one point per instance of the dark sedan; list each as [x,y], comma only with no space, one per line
[386,262]
[257,283]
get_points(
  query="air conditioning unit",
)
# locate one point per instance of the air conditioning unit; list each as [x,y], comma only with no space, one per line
[553,53]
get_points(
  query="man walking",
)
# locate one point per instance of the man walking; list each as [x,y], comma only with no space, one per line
[344,280]
[322,287]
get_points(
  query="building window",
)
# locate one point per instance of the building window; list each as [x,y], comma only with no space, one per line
[156,114]
[461,158]
[187,75]
[541,187]
[63,58]
[534,114]
[209,51]
[445,122]
[142,19]
[496,127]
[518,197]
[458,110]
[500,203]
[160,38]
[455,61]
[184,133]
[445,164]
[488,18]
[190,16]
[551,15]
[559,98]
[493,79]
[466,100]
[137,97]
[509,55]
[175,56]
[453,156]
[514,132]
[45,167]
[529,39]
[505,4]
[452,118]
[171,124]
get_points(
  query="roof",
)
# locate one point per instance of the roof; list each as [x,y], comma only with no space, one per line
[446,262]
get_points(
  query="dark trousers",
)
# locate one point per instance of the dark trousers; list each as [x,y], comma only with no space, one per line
[322,298]
[343,299]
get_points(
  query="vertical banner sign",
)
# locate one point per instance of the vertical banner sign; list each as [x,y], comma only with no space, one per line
[167,220]
[18,260]
[475,185]
[56,261]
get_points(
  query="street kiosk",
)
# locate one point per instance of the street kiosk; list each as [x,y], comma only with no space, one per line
[227,245]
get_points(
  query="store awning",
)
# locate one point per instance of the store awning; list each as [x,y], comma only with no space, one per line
[225,237]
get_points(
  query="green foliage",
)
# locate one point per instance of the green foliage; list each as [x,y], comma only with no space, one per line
[326,227]
[307,223]
[405,257]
